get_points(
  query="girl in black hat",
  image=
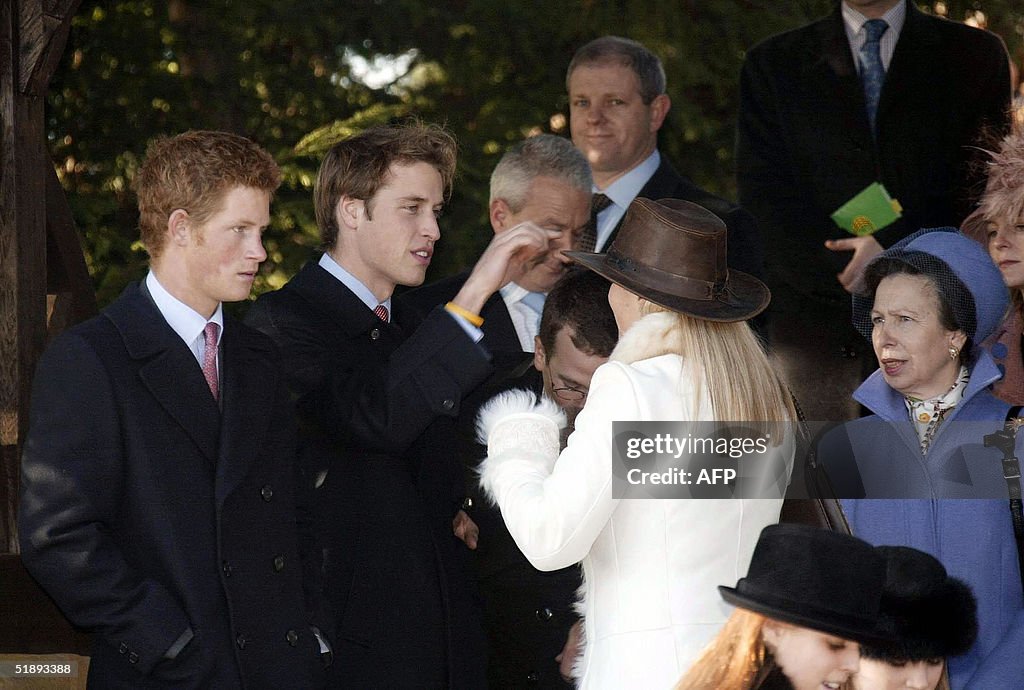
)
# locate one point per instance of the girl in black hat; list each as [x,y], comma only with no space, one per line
[930,616]
[810,597]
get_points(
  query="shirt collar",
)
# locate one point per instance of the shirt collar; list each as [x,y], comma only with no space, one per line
[183,319]
[623,190]
[928,414]
[512,293]
[351,282]
[854,20]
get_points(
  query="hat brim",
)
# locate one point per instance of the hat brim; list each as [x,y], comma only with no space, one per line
[831,623]
[746,298]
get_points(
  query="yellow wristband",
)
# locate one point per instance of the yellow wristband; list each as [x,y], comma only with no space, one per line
[474,319]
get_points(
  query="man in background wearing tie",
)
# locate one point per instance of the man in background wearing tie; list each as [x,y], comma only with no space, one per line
[157,504]
[368,381]
[876,92]
[617,104]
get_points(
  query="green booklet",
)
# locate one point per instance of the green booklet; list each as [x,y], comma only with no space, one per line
[871,210]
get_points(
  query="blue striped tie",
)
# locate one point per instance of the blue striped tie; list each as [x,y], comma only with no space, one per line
[872,73]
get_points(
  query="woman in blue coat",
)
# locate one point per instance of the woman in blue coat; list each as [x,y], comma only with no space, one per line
[931,299]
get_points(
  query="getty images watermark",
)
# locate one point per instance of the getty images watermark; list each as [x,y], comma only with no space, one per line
[701,459]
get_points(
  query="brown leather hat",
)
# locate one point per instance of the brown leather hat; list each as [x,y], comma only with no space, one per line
[673,253]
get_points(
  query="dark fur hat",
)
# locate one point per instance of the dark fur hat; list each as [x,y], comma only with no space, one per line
[931,614]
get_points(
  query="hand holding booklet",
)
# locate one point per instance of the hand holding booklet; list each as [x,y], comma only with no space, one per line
[869,211]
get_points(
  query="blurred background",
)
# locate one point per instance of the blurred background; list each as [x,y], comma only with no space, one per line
[297,76]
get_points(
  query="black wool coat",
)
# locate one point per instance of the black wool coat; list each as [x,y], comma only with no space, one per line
[146,511]
[365,393]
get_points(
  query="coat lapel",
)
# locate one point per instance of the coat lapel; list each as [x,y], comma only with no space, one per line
[831,73]
[329,295]
[250,384]
[913,68]
[167,368]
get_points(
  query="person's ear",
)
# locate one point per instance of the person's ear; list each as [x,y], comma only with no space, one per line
[499,213]
[659,110]
[348,211]
[958,340]
[540,359]
[178,227]
[772,632]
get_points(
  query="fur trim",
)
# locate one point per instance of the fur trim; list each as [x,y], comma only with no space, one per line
[653,335]
[517,427]
[515,402]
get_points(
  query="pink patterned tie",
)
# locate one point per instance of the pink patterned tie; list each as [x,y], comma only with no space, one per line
[382,312]
[210,358]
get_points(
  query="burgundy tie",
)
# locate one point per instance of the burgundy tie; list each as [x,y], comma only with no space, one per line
[210,358]
[382,312]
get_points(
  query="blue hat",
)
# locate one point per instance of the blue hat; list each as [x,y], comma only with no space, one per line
[956,263]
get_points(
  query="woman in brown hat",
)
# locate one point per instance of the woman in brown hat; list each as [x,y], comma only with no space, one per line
[810,598]
[685,354]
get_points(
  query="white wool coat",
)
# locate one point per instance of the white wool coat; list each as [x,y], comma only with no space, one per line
[651,567]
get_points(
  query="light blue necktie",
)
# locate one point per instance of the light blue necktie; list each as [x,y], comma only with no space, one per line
[872,73]
[534,300]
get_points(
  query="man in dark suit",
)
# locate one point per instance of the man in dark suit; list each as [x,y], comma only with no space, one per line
[806,146]
[157,505]
[617,104]
[367,385]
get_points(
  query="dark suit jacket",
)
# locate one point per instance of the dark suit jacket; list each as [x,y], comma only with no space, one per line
[805,147]
[146,511]
[744,243]
[500,338]
[365,392]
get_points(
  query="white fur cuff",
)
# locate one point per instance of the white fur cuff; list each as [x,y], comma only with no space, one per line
[515,403]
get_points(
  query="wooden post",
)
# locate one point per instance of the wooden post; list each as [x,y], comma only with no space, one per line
[35,229]
[32,38]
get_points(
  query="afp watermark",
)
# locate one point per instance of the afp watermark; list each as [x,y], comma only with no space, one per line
[701,459]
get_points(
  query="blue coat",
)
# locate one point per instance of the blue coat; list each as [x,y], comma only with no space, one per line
[972,537]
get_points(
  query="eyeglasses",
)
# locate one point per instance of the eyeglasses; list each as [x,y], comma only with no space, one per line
[569,394]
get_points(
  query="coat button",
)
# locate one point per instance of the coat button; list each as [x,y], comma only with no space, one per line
[533,677]
[544,614]
[267,493]
[375,334]
[123,649]
[448,404]
[133,658]
[241,641]
[227,569]
[278,563]
[292,637]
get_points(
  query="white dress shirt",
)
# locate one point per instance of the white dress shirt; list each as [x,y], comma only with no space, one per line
[184,320]
[524,318]
[621,192]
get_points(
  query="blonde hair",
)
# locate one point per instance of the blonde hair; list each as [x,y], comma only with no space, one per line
[735,660]
[753,392]
[1004,193]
